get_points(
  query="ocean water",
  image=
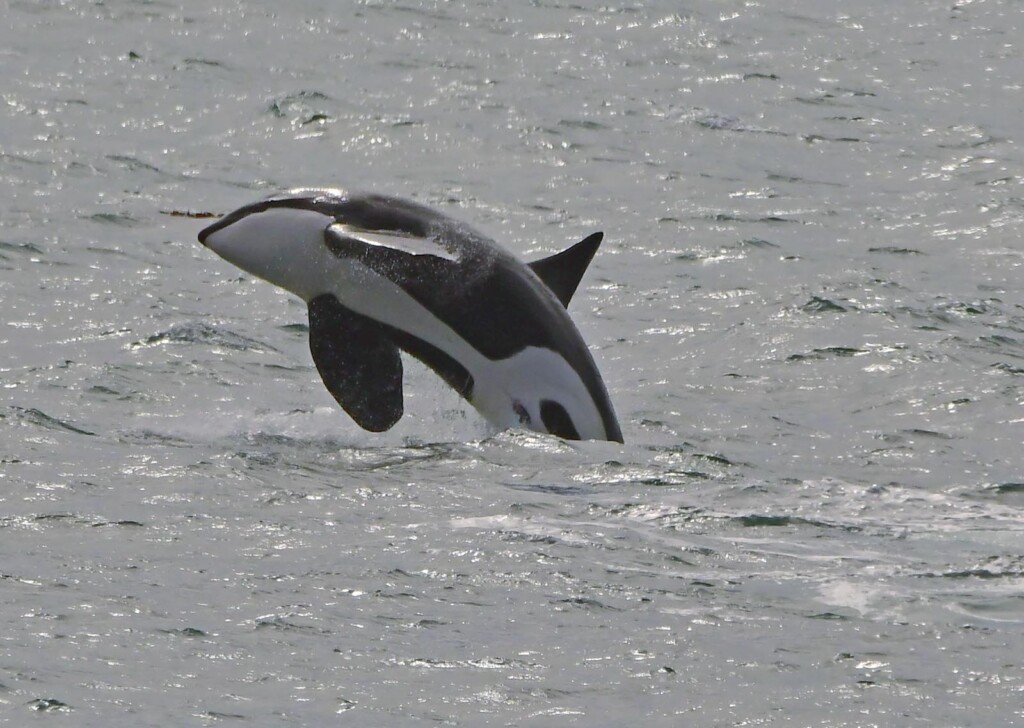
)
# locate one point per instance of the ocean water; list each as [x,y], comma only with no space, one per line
[808,310]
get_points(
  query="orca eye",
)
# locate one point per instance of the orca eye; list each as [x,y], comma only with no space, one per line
[557,421]
[521,413]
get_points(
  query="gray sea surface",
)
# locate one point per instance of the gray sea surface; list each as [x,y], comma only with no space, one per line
[808,309]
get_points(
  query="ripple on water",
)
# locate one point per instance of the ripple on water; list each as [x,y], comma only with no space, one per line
[35,417]
[201,332]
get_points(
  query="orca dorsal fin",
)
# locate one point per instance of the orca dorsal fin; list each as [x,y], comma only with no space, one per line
[562,272]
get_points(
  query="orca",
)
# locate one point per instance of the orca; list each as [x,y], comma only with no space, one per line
[382,274]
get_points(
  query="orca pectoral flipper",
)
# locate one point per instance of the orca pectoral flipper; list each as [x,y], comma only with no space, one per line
[361,367]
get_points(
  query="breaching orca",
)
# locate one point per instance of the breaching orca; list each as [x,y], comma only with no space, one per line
[382,274]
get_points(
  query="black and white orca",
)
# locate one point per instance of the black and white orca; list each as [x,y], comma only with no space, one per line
[382,274]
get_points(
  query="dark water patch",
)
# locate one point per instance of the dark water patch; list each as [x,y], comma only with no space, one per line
[150,437]
[90,522]
[855,92]
[127,523]
[657,424]
[502,663]
[828,616]
[60,365]
[1008,368]
[133,164]
[192,62]
[402,64]
[296,104]
[427,623]
[14,578]
[972,143]
[42,517]
[1001,341]
[1006,488]
[427,663]
[270,460]
[714,458]
[818,304]
[817,138]
[102,390]
[508,536]
[189,632]
[553,488]
[756,521]
[197,332]
[768,520]
[120,253]
[972,308]
[26,160]
[582,124]
[18,249]
[992,567]
[975,574]
[121,219]
[825,353]
[278,622]
[671,478]
[822,100]
[1010,493]
[586,603]
[834,97]
[734,217]
[218,715]
[49,705]
[676,518]
[757,243]
[996,181]
[427,13]
[447,64]
[661,479]
[680,467]
[719,122]
[402,123]
[894,250]
[33,416]
[329,454]
[958,312]
[916,432]
[382,594]
[793,179]
[283,367]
